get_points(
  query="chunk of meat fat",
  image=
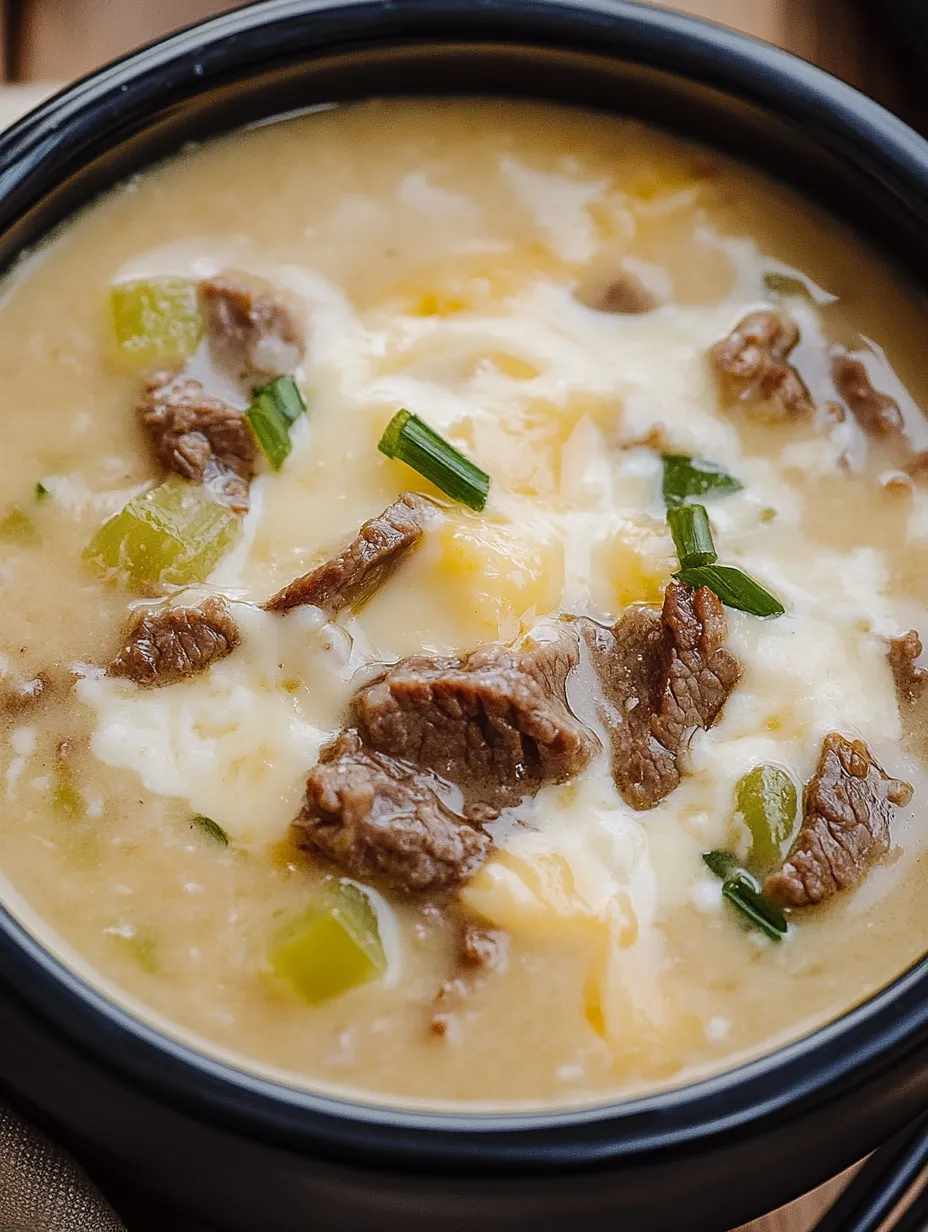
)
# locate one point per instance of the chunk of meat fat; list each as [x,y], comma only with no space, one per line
[199,437]
[352,577]
[752,364]
[166,646]
[493,724]
[847,811]
[663,675]
[253,333]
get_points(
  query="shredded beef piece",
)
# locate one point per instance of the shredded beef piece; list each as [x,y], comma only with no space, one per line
[910,679]
[752,362]
[381,818]
[847,811]
[252,332]
[170,645]
[352,577]
[199,437]
[624,294]
[480,951]
[482,947]
[663,674]
[494,722]
[877,414]
[25,695]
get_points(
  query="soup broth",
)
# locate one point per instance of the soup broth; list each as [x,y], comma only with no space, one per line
[552,293]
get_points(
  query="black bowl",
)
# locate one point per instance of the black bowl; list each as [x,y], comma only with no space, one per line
[248,1154]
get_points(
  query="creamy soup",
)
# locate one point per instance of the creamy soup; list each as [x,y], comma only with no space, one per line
[484,805]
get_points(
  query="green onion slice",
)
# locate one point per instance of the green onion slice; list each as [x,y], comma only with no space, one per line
[685,477]
[743,892]
[786,286]
[273,409]
[212,829]
[412,441]
[692,534]
[41,492]
[734,588]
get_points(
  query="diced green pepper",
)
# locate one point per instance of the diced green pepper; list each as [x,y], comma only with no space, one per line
[333,946]
[169,535]
[766,799]
[156,320]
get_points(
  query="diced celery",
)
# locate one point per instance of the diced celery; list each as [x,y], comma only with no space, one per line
[170,535]
[16,526]
[333,946]
[766,799]
[156,320]
[66,797]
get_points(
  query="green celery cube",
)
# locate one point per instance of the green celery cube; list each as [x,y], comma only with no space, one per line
[332,947]
[156,321]
[167,536]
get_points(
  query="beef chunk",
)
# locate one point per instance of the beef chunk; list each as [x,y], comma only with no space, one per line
[910,679]
[253,334]
[352,577]
[170,645]
[199,437]
[663,675]
[624,294]
[752,365]
[847,810]
[877,413]
[25,696]
[381,818]
[494,722]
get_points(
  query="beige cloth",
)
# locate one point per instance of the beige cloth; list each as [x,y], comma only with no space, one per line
[42,1189]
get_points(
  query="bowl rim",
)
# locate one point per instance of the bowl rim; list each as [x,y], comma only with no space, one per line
[834,1057]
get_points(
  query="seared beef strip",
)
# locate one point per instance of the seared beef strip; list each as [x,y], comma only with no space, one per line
[480,951]
[381,818]
[199,437]
[170,645]
[910,679]
[663,674]
[752,363]
[353,576]
[624,294]
[253,334]
[877,414]
[495,722]
[847,811]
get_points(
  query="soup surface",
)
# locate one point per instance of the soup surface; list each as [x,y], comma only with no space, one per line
[496,893]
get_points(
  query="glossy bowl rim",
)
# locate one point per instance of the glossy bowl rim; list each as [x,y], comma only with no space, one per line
[841,1054]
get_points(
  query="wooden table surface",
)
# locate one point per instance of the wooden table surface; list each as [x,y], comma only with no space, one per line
[54,40]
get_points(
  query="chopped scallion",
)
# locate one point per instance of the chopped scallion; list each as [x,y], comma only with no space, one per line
[212,829]
[743,892]
[412,441]
[786,286]
[41,492]
[685,477]
[692,535]
[273,409]
[734,588]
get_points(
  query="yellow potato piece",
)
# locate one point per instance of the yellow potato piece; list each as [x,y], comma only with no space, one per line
[503,575]
[633,565]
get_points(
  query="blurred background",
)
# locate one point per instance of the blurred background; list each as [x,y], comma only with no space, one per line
[57,40]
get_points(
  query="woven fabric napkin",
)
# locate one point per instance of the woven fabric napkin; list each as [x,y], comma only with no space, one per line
[42,1189]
